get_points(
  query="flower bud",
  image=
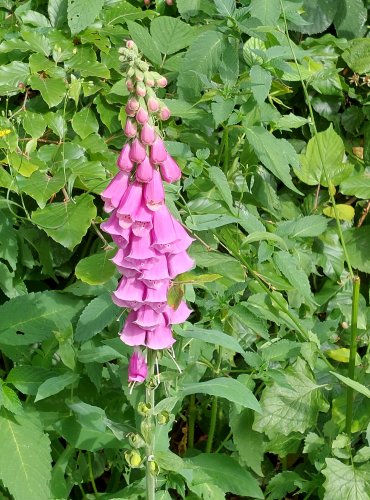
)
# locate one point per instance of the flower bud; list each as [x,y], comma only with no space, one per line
[163,418]
[158,152]
[130,44]
[135,440]
[124,163]
[137,368]
[139,75]
[140,89]
[161,82]
[133,458]
[154,468]
[143,409]
[144,171]
[142,116]
[147,134]
[147,2]
[164,113]
[130,129]
[169,2]
[133,104]
[170,170]
[137,151]
[129,111]
[153,105]
[129,85]
[148,78]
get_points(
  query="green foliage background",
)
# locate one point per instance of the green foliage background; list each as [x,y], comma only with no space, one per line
[264,360]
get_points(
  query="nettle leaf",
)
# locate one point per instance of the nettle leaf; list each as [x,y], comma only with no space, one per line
[275,154]
[82,13]
[67,222]
[344,481]
[98,314]
[25,459]
[225,472]
[261,83]
[227,388]
[291,403]
[84,123]
[52,90]
[267,11]
[171,34]
[331,146]
[145,42]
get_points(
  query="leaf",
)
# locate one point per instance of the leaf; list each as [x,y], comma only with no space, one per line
[304,227]
[13,74]
[291,403]
[37,42]
[40,186]
[212,337]
[170,34]
[288,265]
[52,90]
[350,19]
[98,314]
[27,379]
[209,221]
[54,385]
[267,11]
[96,269]
[311,171]
[225,7]
[344,481]
[353,384]
[357,242]
[10,400]
[356,185]
[84,123]
[275,154]
[227,388]
[264,235]
[318,14]
[220,181]
[342,355]
[261,83]
[357,55]
[82,13]
[345,212]
[57,10]
[67,222]
[25,459]
[33,317]
[224,472]
[145,42]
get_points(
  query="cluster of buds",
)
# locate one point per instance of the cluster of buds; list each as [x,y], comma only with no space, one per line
[152,243]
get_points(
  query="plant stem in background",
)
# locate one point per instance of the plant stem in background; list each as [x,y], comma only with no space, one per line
[353,351]
[192,417]
[213,422]
[150,426]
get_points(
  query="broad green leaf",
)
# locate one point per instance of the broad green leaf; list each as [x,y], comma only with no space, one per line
[34,124]
[209,221]
[146,43]
[342,355]
[22,165]
[229,68]
[291,403]
[52,90]
[345,212]
[40,186]
[353,384]
[170,34]
[264,235]
[82,13]
[196,279]
[267,11]
[288,265]
[283,483]
[57,10]
[344,481]
[33,317]
[183,109]
[357,55]
[67,222]
[10,400]
[27,379]
[357,185]
[211,336]
[56,384]
[227,388]
[304,227]
[357,242]
[85,123]
[25,459]
[221,109]
[220,181]
[37,42]
[225,472]
[275,154]
[99,313]
[96,269]
[12,75]
[225,7]
[318,14]
[261,83]
[330,145]
[350,19]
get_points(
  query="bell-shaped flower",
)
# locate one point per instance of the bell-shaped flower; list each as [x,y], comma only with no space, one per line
[148,319]
[137,151]
[143,221]
[130,129]
[114,192]
[147,134]
[159,338]
[156,298]
[179,263]
[137,368]
[130,204]
[179,315]
[132,334]
[154,192]
[158,152]
[170,170]
[140,247]
[124,163]
[163,233]
[129,293]
[112,227]
[144,171]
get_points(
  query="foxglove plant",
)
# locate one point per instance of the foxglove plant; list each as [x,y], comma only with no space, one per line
[152,244]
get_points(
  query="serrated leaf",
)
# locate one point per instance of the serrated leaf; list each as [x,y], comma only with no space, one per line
[304,227]
[82,13]
[356,185]
[220,181]
[57,10]
[209,221]
[344,481]
[225,7]
[11,75]
[10,400]
[25,459]
[37,42]
[67,222]
[27,379]
[170,34]
[54,385]
[357,55]
[357,242]
[85,123]
[275,154]
[99,313]
[248,442]
[318,14]
[145,42]
[52,90]
[267,11]
[227,388]
[345,212]
[350,19]
[261,83]
[96,269]
[265,236]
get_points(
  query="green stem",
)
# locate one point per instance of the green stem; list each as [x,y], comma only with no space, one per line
[192,418]
[212,425]
[226,151]
[319,147]
[224,441]
[91,474]
[353,352]
[149,449]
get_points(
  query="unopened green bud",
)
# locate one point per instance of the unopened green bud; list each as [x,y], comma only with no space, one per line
[144,66]
[133,458]
[153,467]
[139,75]
[144,408]
[163,417]
[135,440]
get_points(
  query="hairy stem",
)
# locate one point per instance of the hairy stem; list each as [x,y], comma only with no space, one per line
[353,352]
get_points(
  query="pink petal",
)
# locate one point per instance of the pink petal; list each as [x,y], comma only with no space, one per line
[179,263]
[160,338]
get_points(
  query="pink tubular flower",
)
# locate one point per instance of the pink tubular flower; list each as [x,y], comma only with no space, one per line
[129,204]
[142,116]
[154,192]
[158,152]
[170,170]
[124,163]
[114,192]
[130,129]
[147,134]
[153,105]
[137,368]
[144,171]
[137,151]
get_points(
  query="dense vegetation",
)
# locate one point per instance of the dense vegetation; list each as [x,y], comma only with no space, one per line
[268,394]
